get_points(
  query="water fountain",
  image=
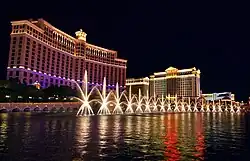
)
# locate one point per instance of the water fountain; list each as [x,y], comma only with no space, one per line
[195,107]
[232,107]
[85,108]
[162,102]
[189,106]
[104,110]
[214,107]
[183,106]
[129,109]
[202,107]
[139,103]
[220,109]
[238,109]
[147,100]
[226,110]
[155,101]
[118,109]
[176,108]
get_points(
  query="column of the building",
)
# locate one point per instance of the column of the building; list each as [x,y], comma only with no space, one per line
[124,76]
[93,73]
[73,71]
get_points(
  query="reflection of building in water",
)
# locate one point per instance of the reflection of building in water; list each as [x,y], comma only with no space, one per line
[103,126]
[83,133]
[199,135]
[3,128]
[117,127]
[128,127]
[171,138]
[138,125]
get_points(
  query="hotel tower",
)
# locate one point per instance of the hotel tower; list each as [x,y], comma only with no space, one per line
[174,82]
[41,53]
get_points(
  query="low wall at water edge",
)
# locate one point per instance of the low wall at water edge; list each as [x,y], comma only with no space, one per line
[45,106]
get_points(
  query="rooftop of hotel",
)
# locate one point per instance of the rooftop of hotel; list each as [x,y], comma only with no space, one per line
[80,35]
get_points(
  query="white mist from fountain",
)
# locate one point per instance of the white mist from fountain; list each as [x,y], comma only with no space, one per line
[195,107]
[139,103]
[176,108]
[220,109]
[238,109]
[129,109]
[104,110]
[214,107]
[202,107]
[147,100]
[232,108]
[183,106]
[155,108]
[85,108]
[169,109]
[226,109]
[208,107]
[189,106]
[117,109]
[162,102]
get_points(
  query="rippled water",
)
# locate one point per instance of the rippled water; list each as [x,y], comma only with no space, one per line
[183,136]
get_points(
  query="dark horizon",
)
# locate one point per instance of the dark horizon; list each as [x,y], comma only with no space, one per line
[211,36]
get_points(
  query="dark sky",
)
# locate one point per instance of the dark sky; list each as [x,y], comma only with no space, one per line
[152,35]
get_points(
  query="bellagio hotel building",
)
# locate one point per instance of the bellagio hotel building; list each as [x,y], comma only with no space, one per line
[41,53]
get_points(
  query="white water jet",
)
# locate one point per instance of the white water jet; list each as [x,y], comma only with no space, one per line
[139,103]
[162,104]
[214,107]
[104,110]
[147,109]
[232,108]
[220,109]
[238,109]
[155,108]
[208,107]
[176,108]
[189,106]
[85,108]
[117,109]
[129,109]
[195,108]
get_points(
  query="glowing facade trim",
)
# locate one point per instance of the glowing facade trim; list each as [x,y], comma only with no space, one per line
[60,55]
[183,83]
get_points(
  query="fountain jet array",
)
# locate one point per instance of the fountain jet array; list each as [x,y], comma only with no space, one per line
[135,104]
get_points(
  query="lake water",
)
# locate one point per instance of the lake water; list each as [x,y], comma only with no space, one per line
[181,136]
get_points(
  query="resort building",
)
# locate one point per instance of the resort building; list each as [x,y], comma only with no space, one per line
[39,52]
[223,96]
[136,84]
[174,82]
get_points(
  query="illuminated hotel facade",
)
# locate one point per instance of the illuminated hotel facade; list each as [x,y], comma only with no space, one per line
[136,84]
[39,52]
[172,82]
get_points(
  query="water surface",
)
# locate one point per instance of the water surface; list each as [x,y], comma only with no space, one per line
[181,136]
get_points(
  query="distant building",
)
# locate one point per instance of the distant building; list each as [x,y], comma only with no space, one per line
[172,82]
[40,52]
[223,96]
[136,84]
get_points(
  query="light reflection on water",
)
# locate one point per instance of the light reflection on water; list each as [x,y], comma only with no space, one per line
[182,136]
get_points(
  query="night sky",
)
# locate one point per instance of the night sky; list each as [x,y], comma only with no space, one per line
[213,36]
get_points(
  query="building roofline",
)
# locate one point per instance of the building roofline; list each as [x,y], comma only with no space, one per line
[58,30]
[26,22]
